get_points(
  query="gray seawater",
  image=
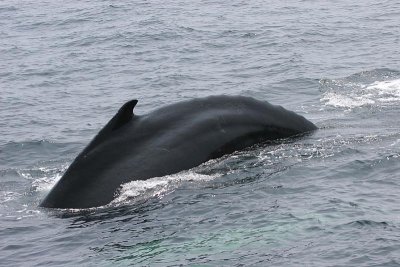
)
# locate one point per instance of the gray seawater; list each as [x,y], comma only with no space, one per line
[327,199]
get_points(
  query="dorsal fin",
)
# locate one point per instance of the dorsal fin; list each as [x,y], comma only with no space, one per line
[124,115]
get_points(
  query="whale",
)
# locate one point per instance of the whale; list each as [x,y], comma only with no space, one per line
[165,141]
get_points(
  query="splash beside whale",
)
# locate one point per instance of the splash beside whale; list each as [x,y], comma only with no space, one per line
[168,140]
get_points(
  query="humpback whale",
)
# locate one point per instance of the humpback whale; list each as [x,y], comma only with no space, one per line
[168,140]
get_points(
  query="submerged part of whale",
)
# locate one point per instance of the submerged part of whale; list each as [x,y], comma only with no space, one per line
[166,141]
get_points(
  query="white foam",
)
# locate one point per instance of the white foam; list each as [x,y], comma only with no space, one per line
[387,91]
[50,176]
[158,186]
[46,183]
[6,196]
[378,93]
[344,101]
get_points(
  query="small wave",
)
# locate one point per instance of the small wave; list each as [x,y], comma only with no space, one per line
[23,155]
[37,146]
[158,186]
[6,9]
[6,196]
[20,185]
[365,223]
[387,91]
[28,143]
[378,88]
[8,174]
[40,172]
[45,184]
[343,101]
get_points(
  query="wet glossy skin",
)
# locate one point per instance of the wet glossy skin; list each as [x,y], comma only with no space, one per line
[166,141]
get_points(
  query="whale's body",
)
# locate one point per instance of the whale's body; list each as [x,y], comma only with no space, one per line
[166,141]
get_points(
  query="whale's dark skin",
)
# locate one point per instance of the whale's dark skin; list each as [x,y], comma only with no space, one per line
[168,140]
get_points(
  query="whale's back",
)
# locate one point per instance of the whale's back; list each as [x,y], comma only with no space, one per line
[168,140]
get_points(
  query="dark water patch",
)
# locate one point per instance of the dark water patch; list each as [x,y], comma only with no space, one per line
[365,224]
[8,8]
[337,201]
[132,213]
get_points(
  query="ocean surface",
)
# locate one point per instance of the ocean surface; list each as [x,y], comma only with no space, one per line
[327,199]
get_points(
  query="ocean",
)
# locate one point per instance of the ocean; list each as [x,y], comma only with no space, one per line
[326,199]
